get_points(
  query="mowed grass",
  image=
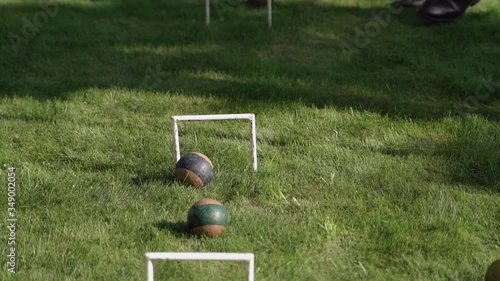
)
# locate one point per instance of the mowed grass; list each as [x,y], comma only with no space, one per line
[376,162]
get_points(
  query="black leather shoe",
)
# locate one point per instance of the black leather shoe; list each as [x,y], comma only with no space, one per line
[445,10]
[408,3]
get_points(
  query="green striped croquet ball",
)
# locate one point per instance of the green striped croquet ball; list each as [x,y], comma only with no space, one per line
[207,217]
[194,169]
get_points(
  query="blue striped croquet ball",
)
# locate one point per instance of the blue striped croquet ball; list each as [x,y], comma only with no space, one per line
[194,169]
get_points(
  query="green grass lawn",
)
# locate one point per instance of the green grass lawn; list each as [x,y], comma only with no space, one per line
[378,139]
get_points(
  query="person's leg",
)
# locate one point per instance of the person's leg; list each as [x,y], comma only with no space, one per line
[445,10]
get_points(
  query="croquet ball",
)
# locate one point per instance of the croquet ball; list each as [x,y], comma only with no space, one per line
[207,217]
[493,272]
[194,169]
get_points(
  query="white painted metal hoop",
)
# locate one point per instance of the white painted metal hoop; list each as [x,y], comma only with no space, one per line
[214,117]
[246,257]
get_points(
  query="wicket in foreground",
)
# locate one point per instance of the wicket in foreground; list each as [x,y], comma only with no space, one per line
[246,257]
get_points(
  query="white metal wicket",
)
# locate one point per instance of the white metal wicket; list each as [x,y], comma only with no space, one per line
[247,257]
[269,12]
[244,116]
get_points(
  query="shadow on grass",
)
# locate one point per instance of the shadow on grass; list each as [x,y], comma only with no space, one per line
[474,154]
[178,228]
[318,54]
[161,177]
[471,151]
